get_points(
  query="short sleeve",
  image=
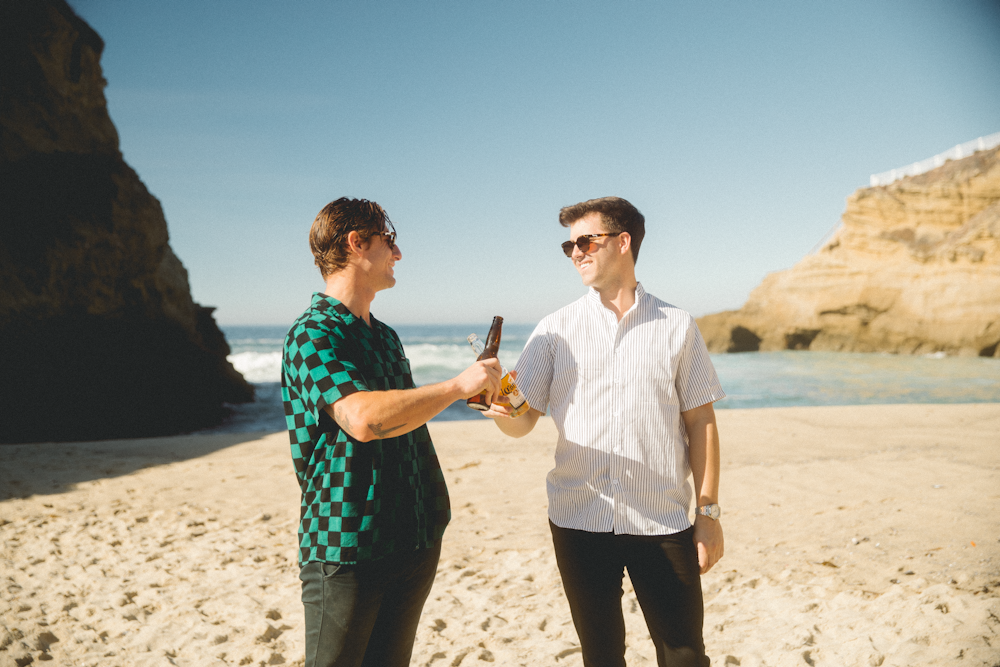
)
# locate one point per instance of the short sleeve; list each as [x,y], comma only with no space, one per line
[535,367]
[696,382]
[319,365]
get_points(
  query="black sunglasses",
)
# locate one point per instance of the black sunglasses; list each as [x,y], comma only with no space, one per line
[583,242]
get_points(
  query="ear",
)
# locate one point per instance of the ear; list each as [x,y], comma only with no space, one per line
[625,243]
[355,245]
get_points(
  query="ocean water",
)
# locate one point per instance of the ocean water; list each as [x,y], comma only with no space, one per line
[750,380]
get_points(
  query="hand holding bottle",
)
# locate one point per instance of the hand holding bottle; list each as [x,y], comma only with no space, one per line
[510,395]
[482,377]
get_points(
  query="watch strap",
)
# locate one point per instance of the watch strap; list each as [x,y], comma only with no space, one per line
[712,510]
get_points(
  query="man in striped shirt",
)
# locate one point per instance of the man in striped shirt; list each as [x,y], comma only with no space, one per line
[630,386]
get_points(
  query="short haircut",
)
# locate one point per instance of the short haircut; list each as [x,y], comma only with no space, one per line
[328,235]
[617,215]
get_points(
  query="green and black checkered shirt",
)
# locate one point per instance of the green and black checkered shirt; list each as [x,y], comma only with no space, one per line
[361,501]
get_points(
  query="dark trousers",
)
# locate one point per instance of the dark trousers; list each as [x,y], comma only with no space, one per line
[366,615]
[665,574]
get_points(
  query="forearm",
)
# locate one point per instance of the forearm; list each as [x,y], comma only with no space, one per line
[370,415]
[703,453]
[520,426]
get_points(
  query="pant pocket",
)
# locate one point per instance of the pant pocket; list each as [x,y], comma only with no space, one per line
[311,576]
[330,569]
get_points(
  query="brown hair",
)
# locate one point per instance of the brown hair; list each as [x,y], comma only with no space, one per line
[328,235]
[617,215]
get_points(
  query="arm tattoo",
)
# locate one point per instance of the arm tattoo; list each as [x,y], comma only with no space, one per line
[342,420]
[381,432]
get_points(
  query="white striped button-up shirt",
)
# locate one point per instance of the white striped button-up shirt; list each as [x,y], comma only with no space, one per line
[616,390]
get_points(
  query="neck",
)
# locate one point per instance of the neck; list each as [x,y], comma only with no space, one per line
[345,287]
[619,295]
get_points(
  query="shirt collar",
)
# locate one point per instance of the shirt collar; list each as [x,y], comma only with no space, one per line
[332,307]
[640,293]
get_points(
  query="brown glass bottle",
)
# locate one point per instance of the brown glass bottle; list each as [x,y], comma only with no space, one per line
[481,401]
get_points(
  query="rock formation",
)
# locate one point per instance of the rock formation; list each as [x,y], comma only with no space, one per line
[99,336]
[914,268]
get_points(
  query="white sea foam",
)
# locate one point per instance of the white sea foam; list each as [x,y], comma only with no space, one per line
[434,363]
[448,356]
[258,366]
[428,362]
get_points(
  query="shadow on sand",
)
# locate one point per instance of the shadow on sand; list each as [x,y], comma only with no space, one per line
[56,467]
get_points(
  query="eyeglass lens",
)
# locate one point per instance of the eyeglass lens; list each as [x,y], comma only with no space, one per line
[583,243]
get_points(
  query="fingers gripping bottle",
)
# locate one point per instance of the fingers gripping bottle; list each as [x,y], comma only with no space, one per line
[507,386]
[482,400]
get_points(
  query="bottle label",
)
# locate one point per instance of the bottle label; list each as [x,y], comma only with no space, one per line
[510,390]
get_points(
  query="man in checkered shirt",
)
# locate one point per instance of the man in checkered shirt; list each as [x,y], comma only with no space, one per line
[374,500]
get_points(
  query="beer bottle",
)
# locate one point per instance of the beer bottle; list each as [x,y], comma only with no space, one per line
[481,401]
[507,386]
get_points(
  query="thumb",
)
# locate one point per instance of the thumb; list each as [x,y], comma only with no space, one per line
[702,557]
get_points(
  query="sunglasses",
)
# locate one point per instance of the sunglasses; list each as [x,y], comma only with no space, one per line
[583,242]
[390,238]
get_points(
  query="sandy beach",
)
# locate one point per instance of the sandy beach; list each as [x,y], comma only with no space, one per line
[854,536]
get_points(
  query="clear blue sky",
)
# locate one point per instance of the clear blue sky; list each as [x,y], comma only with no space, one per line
[737,128]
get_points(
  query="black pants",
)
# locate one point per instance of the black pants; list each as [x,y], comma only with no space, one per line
[366,615]
[665,574]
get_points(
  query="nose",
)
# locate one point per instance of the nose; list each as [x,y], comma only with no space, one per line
[577,253]
[397,254]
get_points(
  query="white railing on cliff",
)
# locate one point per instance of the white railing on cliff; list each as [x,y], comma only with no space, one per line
[886,177]
[956,153]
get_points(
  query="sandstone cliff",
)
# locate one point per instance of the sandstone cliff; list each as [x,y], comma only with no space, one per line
[914,268]
[99,336]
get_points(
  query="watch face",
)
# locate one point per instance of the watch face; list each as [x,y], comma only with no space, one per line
[711,511]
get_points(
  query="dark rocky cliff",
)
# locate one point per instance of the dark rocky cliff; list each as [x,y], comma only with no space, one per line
[99,335]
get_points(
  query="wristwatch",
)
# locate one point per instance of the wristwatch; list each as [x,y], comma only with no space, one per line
[711,511]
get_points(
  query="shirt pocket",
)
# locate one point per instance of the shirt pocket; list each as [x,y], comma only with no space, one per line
[392,371]
[400,372]
[404,366]
[655,378]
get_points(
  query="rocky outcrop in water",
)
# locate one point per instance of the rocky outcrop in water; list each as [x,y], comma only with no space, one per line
[99,335]
[914,268]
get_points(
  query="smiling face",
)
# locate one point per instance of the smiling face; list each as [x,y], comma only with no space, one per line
[608,259]
[381,257]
